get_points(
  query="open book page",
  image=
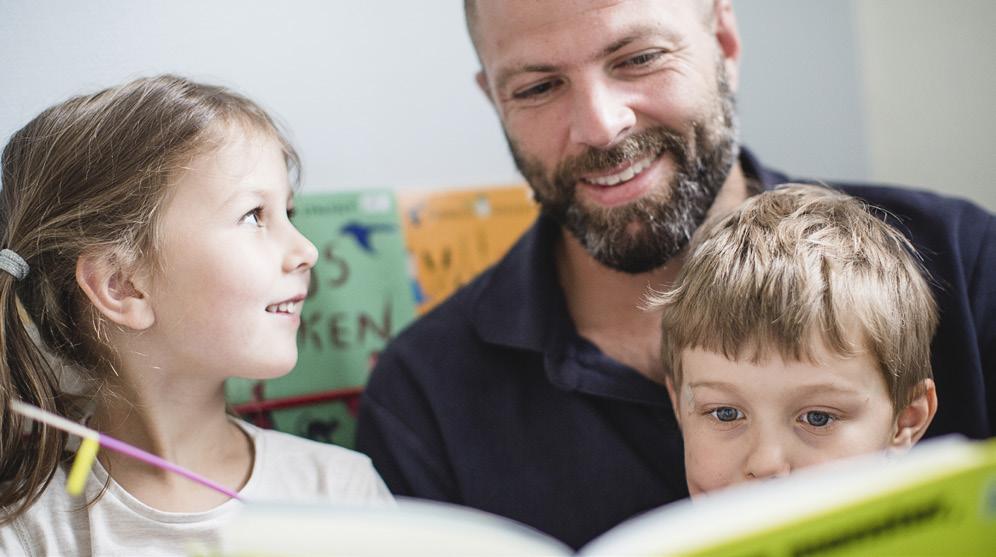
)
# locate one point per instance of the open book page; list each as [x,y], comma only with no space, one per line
[414,528]
[939,499]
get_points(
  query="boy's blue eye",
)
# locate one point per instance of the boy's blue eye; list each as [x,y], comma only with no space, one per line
[816,418]
[727,414]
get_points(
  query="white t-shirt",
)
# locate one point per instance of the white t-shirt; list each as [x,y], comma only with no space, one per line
[285,468]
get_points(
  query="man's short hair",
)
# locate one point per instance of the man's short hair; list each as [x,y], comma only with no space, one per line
[795,267]
[470,15]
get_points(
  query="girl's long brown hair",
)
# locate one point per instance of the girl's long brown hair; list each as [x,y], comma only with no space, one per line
[89,175]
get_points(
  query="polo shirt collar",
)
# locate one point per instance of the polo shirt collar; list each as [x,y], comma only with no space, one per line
[521,305]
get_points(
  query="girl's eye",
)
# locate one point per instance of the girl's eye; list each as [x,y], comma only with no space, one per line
[817,418]
[254,217]
[727,414]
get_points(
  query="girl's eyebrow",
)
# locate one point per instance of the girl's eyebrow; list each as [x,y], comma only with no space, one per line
[242,194]
[261,193]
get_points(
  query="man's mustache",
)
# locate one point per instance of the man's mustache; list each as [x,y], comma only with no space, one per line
[652,142]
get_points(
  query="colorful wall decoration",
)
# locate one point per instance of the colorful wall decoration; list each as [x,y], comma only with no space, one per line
[383,259]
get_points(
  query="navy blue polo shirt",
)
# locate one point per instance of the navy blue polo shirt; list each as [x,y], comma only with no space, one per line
[494,401]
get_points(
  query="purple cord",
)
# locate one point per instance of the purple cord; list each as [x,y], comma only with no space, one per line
[135,452]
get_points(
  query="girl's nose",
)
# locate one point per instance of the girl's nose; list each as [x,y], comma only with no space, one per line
[302,254]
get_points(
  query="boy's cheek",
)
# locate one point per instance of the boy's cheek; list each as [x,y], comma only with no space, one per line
[709,464]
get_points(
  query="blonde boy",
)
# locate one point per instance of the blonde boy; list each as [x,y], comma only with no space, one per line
[797,332]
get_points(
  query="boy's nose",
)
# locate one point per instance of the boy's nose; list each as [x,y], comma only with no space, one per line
[767,459]
[600,115]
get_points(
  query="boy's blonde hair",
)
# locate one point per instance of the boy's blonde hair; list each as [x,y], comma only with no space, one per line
[796,267]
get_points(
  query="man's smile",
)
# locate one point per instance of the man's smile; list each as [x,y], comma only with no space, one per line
[628,171]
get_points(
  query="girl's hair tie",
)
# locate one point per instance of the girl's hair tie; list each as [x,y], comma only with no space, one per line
[13,264]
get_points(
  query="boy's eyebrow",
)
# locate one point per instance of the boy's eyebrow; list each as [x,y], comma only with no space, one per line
[803,389]
[827,388]
[720,385]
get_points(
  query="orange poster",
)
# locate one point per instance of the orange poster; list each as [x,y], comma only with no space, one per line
[451,236]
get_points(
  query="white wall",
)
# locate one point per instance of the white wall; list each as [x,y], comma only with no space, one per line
[930,93]
[800,97]
[379,93]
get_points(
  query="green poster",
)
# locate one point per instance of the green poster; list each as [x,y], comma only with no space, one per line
[361,296]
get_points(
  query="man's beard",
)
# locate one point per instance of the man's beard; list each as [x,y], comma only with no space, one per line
[647,233]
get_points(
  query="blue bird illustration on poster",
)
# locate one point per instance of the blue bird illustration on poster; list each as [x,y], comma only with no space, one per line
[362,233]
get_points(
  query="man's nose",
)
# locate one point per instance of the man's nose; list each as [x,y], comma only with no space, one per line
[768,457]
[600,114]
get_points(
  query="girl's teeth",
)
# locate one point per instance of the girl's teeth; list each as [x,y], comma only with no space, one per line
[283,307]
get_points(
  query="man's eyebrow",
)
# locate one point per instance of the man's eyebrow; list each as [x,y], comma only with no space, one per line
[612,48]
[637,33]
[501,80]
[641,32]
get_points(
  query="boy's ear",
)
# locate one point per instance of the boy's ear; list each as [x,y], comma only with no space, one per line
[119,294]
[912,421]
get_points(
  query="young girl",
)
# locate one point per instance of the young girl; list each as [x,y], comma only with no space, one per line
[147,256]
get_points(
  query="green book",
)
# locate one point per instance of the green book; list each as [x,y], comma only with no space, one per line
[938,499]
[361,296]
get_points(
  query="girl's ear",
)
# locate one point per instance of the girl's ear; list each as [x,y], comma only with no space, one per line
[120,295]
[912,421]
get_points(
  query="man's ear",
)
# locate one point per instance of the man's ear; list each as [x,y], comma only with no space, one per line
[728,39]
[912,421]
[669,383]
[482,82]
[120,295]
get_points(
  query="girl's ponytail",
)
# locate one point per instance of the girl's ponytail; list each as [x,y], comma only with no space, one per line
[29,452]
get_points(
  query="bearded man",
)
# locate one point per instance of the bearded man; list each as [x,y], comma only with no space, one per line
[527,393]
